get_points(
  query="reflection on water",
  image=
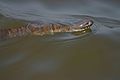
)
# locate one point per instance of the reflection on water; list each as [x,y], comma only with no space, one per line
[93,56]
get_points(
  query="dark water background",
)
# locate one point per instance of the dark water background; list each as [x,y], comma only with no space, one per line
[95,56]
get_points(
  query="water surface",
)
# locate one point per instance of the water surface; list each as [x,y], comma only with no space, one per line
[94,56]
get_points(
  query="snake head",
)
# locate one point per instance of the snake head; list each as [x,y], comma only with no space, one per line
[82,26]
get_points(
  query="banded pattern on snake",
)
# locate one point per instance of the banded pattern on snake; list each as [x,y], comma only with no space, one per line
[45,29]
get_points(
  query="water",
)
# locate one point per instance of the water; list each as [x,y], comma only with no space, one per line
[94,56]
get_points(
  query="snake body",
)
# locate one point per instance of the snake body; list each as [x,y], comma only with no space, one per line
[44,29]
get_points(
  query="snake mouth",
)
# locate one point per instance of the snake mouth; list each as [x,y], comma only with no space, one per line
[83,27]
[81,31]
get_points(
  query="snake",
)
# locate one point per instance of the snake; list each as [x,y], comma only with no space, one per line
[45,29]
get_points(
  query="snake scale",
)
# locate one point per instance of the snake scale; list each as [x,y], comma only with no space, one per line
[45,29]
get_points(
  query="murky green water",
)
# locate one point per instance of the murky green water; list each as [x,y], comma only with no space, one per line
[94,56]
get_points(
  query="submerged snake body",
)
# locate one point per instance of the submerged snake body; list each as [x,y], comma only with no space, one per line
[44,29]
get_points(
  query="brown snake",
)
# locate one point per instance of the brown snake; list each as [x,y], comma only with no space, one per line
[45,29]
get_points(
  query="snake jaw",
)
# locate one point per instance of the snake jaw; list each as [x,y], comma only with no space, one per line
[82,26]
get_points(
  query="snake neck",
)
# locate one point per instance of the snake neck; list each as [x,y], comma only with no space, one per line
[48,28]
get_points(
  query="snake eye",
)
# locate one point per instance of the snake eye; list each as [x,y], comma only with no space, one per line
[87,23]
